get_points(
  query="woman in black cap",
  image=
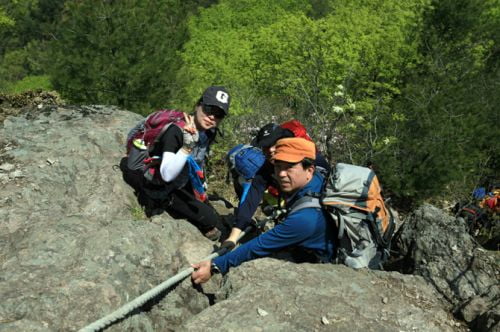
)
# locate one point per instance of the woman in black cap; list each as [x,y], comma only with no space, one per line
[181,150]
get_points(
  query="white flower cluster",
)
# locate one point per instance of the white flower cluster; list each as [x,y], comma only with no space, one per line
[337,109]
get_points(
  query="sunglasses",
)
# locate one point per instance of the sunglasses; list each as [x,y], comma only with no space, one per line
[217,112]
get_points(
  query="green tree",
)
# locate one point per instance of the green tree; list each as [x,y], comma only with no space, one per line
[409,86]
[299,56]
[340,72]
[220,48]
[119,52]
[24,42]
[449,105]
[34,20]
[4,19]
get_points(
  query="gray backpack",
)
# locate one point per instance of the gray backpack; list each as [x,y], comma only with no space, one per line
[352,197]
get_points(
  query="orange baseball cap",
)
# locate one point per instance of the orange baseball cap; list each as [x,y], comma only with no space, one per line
[294,149]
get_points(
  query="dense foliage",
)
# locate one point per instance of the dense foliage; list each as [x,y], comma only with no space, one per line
[119,52]
[25,42]
[450,104]
[408,86]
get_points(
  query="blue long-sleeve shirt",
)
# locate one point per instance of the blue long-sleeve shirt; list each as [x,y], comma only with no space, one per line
[307,228]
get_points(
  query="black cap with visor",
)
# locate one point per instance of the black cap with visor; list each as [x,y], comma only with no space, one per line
[215,101]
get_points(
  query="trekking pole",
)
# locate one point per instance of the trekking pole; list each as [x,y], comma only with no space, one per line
[140,300]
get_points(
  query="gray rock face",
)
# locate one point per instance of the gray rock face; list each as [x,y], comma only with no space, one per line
[72,250]
[439,248]
[271,295]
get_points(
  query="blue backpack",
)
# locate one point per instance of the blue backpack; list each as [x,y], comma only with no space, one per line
[245,160]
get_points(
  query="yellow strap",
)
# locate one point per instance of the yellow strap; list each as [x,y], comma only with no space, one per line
[139,143]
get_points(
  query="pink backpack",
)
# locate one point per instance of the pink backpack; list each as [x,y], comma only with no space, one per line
[148,132]
[142,138]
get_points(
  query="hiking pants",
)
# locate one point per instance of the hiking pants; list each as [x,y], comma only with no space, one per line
[179,203]
[183,204]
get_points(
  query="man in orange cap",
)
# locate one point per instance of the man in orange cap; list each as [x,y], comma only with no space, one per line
[252,193]
[306,229]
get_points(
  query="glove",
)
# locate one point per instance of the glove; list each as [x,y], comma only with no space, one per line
[229,245]
[225,247]
[190,139]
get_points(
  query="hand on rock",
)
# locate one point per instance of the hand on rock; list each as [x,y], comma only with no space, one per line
[201,272]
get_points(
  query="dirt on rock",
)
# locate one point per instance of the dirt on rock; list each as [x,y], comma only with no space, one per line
[26,102]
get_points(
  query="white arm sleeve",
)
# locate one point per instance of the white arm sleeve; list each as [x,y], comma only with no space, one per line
[172,164]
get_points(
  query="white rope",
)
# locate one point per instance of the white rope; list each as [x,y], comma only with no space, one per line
[139,301]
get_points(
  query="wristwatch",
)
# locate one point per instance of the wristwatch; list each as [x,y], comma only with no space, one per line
[214,269]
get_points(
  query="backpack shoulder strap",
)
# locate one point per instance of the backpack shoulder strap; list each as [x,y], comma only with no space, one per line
[162,132]
[309,200]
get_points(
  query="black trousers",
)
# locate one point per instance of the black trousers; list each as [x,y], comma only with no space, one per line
[179,203]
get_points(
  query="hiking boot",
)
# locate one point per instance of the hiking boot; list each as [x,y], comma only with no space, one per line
[213,234]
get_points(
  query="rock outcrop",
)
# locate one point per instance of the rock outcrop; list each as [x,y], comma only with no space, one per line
[272,295]
[439,248]
[71,250]
[27,102]
[74,250]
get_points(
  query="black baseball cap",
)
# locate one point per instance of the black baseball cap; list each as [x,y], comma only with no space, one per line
[216,96]
[269,134]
